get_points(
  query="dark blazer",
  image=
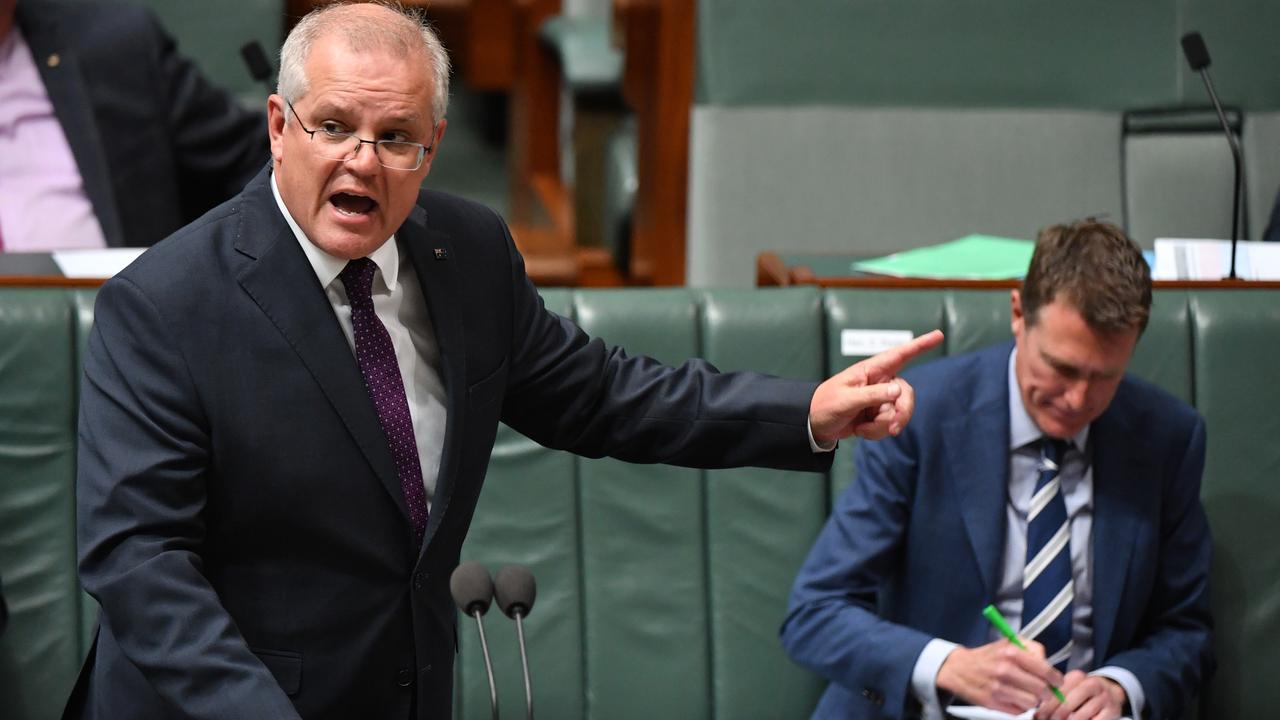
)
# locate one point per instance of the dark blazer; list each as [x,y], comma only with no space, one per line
[156,144]
[240,519]
[915,545]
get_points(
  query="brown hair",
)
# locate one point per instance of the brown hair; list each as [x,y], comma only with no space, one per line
[1096,268]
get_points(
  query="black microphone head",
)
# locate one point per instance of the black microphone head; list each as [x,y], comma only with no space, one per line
[1197,54]
[472,588]
[256,58]
[515,590]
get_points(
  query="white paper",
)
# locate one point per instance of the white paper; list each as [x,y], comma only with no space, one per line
[1198,259]
[865,343]
[973,712]
[95,263]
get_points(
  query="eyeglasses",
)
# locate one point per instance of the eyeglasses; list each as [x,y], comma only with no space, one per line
[331,143]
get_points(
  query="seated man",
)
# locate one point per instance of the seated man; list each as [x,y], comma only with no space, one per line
[109,137]
[1037,476]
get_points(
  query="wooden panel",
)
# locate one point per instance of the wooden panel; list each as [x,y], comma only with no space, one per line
[658,43]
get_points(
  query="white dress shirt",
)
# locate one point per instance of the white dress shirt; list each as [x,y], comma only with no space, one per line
[400,305]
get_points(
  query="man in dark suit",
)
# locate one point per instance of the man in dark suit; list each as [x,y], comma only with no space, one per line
[289,407]
[975,503]
[126,136]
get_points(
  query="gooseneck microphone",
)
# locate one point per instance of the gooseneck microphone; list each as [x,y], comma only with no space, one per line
[472,590]
[1198,58]
[516,590]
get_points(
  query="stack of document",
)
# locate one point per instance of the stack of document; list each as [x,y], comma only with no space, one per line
[1187,259]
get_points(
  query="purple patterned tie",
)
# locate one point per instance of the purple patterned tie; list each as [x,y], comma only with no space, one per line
[377,360]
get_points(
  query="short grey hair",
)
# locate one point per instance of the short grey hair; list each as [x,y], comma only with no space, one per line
[397,33]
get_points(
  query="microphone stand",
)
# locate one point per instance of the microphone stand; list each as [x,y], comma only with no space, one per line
[524,665]
[488,666]
[1235,156]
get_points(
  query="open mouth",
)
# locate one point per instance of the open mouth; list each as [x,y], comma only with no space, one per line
[352,205]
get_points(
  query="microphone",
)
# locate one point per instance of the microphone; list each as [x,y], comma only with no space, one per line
[516,590]
[472,591]
[1198,58]
[256,60]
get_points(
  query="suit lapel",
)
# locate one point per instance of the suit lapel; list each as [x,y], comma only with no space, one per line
[431,253]
[1118,471]
[60,70]
[980,467]
[283,284]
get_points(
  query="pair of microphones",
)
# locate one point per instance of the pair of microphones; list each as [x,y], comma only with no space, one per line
[474,590]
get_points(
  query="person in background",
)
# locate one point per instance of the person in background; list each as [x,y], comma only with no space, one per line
[109,137]
[1039,477]
[289,407]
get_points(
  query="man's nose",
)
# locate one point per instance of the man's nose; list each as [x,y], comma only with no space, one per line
[362,160]
[1076,394]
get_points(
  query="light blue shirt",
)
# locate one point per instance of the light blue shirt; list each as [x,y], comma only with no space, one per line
[1077,492]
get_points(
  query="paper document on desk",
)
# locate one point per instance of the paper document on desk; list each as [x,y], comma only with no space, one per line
[973,257]
[973,712]
[1195,259]
[95,263]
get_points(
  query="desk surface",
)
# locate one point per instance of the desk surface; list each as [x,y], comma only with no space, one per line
[827,270]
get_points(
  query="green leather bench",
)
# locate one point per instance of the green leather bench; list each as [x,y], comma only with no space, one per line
[661,589]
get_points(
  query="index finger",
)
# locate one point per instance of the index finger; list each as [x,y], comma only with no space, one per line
[891,361]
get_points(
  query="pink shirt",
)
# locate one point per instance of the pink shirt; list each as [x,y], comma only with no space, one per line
[43,205]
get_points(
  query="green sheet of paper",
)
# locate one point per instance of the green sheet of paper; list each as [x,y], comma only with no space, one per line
[973,257]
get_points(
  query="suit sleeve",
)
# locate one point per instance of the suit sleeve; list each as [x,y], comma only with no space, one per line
[832,625]
[218,145]
[1173,654]
[142,467]
[570,392]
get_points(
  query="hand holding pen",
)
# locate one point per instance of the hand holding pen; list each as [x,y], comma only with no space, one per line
[1000,675]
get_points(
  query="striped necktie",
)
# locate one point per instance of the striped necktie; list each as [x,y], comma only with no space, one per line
[1046,579]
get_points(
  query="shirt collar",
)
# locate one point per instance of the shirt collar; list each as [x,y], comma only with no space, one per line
[326,266]
[1022,429]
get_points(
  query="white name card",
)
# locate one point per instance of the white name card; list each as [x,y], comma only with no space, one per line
[864,343]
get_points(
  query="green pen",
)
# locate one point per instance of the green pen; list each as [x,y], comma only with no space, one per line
[993,615]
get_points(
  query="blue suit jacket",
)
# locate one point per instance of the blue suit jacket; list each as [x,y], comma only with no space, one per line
[914,547]
[157,146]
[240,518]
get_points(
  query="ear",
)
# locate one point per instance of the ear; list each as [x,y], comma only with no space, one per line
[1017,320]
[437,137]
[275,126]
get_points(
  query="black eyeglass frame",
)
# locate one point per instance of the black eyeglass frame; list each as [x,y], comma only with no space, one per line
[311,135]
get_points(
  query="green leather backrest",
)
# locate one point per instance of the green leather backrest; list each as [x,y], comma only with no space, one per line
[1235,339]
[994,53]
[982,53]
[661,589]
[211,33]
[42,648]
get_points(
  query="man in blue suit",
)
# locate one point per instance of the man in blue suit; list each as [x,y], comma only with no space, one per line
[951,515]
